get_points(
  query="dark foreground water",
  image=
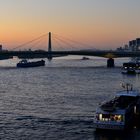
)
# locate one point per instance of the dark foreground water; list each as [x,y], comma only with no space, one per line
[58,101]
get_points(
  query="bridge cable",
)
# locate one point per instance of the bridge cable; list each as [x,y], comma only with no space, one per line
[29,42]
[75,42]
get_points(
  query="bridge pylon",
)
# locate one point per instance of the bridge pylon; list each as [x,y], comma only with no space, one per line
[110,63]
[49,47]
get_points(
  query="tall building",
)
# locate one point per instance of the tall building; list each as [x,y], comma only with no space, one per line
[138,43]
[134,45]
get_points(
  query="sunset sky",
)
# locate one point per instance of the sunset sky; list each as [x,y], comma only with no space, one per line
[101,23]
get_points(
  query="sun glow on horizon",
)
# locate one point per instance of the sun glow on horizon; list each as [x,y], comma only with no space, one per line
[103,24]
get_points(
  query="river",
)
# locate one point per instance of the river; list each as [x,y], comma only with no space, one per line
[58,101]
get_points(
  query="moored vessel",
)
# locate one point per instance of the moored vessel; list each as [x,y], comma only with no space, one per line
[25,64]
[131,68]
[85,58]
[120,112]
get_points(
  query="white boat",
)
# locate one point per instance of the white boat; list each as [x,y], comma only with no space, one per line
[118,113]
[131,68]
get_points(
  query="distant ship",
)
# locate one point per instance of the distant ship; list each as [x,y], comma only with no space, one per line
[85,58]
[25,64]
[131,68]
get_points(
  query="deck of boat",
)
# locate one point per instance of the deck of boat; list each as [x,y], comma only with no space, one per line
[121,102]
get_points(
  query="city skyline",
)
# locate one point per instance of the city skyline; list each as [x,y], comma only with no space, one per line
[103,24]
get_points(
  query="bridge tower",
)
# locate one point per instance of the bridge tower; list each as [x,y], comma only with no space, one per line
[49,47]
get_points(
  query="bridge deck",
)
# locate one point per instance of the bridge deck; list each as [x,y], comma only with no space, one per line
[44,54]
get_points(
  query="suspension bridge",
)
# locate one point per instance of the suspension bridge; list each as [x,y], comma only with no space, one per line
[61,50]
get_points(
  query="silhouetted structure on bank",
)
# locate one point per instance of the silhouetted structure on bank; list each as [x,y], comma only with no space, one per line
[50,54]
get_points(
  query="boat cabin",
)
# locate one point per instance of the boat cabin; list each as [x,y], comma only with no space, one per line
[119,112]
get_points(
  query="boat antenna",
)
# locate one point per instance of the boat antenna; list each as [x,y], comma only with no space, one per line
[123,85]
[127,86]
[131,87]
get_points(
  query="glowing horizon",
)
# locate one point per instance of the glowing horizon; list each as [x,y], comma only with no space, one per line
[103,23]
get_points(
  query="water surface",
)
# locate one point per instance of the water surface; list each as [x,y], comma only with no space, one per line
[58,101]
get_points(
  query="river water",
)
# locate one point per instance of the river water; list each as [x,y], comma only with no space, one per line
[58,101]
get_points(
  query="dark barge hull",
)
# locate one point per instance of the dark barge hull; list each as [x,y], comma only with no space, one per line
[31,64]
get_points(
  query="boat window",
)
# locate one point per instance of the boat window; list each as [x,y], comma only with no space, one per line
[110,117]
[118,118]
[106,116]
